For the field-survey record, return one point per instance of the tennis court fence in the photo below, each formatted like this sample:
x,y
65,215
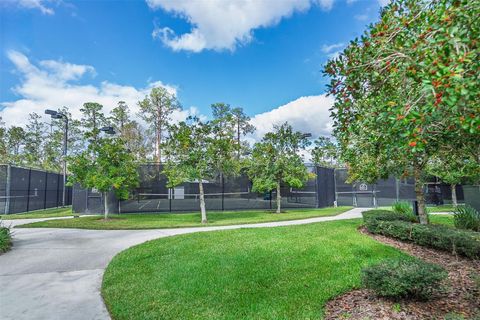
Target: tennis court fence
x,y
221,193
324,187
28,189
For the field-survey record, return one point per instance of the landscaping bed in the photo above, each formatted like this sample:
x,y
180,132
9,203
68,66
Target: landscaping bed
x,y
5,239
460,299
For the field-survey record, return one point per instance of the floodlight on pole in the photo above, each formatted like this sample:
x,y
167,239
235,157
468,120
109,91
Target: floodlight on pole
x,y
306,135
108,130
59,115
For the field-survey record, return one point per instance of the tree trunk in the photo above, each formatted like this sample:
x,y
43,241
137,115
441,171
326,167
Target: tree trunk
x,y
238,139
279,198
454,194
202,201
422,212
105,205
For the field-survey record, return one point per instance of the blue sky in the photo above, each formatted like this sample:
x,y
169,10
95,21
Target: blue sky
x,y
259,55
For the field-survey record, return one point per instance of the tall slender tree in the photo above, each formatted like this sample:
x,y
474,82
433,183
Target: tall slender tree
x,y
15,142
3,142
92,120
34,140
156,110
325,153
129,130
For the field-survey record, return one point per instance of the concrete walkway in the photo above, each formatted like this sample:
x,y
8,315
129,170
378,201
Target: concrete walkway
x,y
57,273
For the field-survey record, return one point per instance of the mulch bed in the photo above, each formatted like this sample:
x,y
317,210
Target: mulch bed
x,y
461,296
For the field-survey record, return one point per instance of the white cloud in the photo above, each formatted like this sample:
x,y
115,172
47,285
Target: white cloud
x,y
332,50
361,17
33,4
224,25
309,114
53,84
383,3
328,48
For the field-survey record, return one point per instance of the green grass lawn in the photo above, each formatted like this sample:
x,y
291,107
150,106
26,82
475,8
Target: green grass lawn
x,y
267,273
446,219
178,220
47,213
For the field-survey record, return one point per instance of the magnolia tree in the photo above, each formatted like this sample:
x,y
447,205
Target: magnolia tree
x,y
198,151
111,169
407,88
275,161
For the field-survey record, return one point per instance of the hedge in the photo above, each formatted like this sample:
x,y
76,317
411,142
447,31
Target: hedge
x,y
413,278
461,242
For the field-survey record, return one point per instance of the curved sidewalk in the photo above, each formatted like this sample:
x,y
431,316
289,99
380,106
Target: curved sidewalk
x,y
57,273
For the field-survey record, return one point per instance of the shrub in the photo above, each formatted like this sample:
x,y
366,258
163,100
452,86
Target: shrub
x,y
412,279
461,242
466,217
386,215
405,208
5,239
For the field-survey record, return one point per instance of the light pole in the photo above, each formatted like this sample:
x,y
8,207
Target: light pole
x,y
59,115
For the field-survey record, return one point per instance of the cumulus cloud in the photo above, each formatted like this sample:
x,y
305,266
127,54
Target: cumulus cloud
x,y
309,114
224,24
53,84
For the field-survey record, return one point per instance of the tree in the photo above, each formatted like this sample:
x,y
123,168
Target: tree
x,y
3,142
325,153
406,89
129,130
92,120
195,153
156,109
112,168
34,140
15,141
235,120
275,161
455,167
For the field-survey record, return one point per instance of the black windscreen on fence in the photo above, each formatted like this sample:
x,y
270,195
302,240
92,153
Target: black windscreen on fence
x,y
324,187
26,189
221,193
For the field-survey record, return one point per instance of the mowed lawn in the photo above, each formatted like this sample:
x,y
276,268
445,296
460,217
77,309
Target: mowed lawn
x,y
47,213
446,219
267,273
178,220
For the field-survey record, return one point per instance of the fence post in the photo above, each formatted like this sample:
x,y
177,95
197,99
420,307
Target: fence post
x,y
317,182
7,190
58,188
223,190
28,188
45,194
397,188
